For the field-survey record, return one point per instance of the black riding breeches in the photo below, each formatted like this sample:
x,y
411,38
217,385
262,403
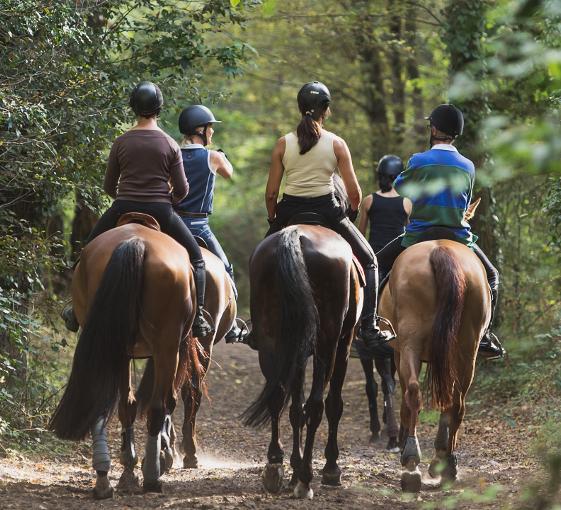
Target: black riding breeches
x,y
329,208
170,223
389,253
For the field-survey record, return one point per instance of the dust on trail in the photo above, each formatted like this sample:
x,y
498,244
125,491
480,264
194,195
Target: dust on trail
x,y
492,451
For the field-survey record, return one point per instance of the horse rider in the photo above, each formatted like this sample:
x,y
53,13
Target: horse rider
x,y
439,182
201,166
387,213
309,157
142,163
385,210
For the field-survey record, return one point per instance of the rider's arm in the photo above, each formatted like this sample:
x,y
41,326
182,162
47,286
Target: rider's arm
x,y
180,186
275,177
112,173
345,164
221,165
408,206
404,184
363,218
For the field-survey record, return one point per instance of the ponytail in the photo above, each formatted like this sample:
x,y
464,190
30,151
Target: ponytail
x,y
386,182
308,131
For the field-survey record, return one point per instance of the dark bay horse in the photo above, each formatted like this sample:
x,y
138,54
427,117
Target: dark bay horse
x,y
439,303
385,366
305,302
220,303
133,295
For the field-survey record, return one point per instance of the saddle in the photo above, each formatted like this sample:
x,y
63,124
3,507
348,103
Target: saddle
x,y
311,218
140,218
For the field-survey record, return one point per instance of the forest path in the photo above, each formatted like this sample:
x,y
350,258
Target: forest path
x,y
492,455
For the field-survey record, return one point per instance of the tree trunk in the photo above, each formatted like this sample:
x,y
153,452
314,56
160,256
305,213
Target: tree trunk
x,y
395,60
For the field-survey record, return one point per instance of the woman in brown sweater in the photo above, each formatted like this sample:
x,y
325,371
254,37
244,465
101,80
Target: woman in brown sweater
x,y
145,174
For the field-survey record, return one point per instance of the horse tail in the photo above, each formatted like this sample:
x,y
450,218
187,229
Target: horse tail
x,y
101,354
450,294
298,328
190,370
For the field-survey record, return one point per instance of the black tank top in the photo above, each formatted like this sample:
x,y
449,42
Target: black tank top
x,y
387,220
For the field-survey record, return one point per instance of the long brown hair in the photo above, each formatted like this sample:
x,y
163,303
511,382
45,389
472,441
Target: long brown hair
x,y
309,130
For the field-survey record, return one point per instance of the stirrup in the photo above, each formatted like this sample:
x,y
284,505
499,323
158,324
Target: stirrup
x,y
491,349
388,323
241,334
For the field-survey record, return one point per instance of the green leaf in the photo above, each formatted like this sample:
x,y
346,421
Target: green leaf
x,y
234,3
269,7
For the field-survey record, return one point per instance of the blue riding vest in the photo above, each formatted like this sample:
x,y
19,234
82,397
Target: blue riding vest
x,y
201,178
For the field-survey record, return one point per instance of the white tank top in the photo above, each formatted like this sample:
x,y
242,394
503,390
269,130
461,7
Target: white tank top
x,y
310,174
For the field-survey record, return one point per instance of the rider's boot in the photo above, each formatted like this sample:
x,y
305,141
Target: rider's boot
x,y
370,333
489,346
69,317
236,334
201,327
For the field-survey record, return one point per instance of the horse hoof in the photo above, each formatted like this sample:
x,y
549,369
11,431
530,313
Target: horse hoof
x,y
102,489
128,482
392,445
332,479
155,486
272,477
190,462
303,491
411,481
375,437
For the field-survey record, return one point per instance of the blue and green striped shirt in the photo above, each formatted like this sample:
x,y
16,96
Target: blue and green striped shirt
x,y
439,182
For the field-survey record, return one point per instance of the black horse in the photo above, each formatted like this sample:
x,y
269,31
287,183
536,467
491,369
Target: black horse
x,y
305,302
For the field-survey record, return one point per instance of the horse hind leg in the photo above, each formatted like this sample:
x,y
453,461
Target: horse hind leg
x,y
331,474
297,422
411,454
128,482
101,460
313,412
273,473
384,367
440,446
192,395
371,392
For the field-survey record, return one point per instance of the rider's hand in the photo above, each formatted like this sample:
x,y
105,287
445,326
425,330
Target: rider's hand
x,y
352,214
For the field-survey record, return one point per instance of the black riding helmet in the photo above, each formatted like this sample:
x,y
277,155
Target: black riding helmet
x,y
448,119
195,116
390,165
146,99
313,98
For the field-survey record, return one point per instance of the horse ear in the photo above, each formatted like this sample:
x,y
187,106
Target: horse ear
x,y
470,213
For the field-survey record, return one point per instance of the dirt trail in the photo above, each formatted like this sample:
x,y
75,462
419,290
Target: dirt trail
x,y
491,453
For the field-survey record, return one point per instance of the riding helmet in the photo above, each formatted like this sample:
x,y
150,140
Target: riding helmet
x,y
313,96
146,99
448,119
390,165
193,117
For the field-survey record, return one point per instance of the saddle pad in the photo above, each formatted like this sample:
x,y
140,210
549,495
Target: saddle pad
x,y
138,217
360,271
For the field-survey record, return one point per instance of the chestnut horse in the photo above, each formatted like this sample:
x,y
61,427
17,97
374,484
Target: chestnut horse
x,y
439,303
134,297
305,302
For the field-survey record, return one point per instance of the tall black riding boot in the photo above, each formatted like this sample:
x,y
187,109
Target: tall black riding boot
x,y
370,333
201,327
489,346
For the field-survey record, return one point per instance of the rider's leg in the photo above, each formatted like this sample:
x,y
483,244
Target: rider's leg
x,y
177,229
107,221
387,255
200,227
490,345
370,332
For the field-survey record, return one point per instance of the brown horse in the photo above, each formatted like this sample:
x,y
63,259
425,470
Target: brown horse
x,y
439,302
305,301
220,303
133,295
